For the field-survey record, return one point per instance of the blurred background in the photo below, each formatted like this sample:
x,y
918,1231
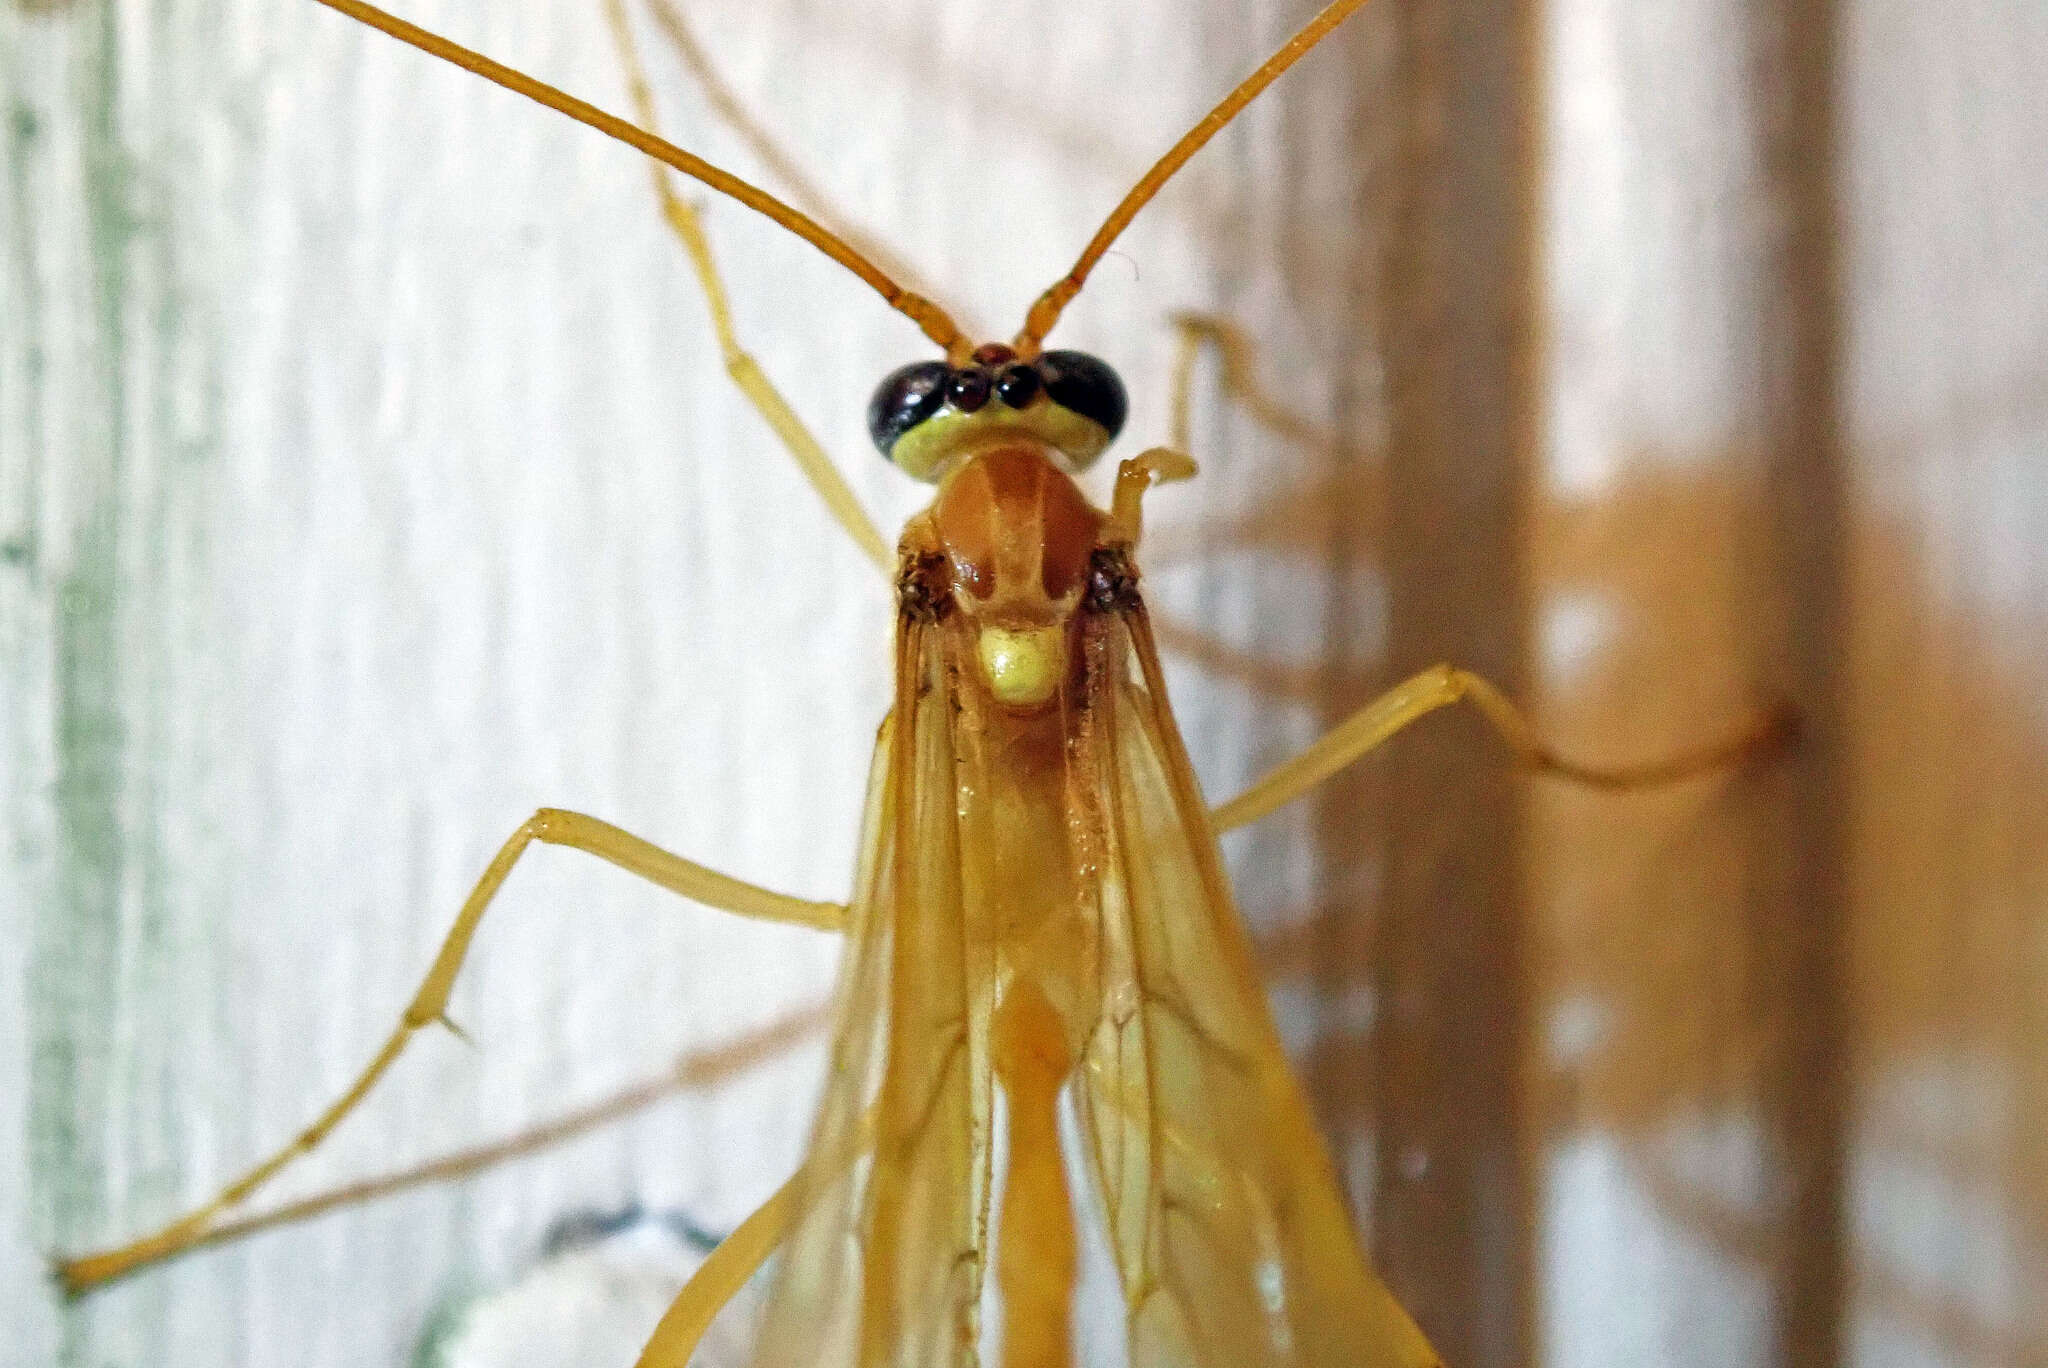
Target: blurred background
x,y
368,478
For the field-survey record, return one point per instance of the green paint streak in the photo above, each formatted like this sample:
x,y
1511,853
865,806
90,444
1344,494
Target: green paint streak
x,y
19,548
104,944
75,952
445,1324
77,937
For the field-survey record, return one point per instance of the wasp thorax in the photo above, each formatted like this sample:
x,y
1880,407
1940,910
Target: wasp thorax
x,y
927,415
1018,540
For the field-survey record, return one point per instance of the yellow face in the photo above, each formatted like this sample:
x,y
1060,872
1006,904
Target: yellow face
x,y
926,451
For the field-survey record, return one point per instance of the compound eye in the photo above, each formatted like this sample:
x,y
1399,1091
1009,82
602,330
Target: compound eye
x,y
909,396
1081,384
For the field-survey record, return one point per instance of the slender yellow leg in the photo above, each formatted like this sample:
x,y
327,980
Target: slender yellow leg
x,y
1133,478
1171,462
1426,692
720,1277
1442,686
1237,376
798,187
430,1004
1180,394
746,373
742,1253
698,1069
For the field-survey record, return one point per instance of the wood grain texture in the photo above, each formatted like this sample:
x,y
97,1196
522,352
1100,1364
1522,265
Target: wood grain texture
x,y
367,480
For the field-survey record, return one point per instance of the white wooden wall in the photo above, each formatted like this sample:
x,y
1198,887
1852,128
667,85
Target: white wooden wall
x,y
367,479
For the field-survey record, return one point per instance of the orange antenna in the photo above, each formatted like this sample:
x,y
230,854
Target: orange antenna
x,y
1046,311
935,322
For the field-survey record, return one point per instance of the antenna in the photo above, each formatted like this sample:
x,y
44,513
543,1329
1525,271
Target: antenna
x,y
929,317
1046,311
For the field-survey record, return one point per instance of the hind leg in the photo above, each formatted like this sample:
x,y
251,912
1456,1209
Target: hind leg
x,y
430,1005
1444,685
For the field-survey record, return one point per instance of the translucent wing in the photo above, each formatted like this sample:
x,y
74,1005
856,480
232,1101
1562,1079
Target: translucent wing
x,y
1065,862
1231,1239
883,1266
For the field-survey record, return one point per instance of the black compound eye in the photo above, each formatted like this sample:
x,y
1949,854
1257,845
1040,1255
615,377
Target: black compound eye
x,y
1081,384
906,398
1017,386
969,388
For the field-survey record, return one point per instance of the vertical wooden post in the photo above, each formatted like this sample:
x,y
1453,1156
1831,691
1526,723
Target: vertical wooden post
x,y
1803,931
1451,1212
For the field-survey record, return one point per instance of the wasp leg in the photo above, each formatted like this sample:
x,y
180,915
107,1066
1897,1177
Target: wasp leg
x,y
797,186
1444,685
697,1069
1134,477
742,1253
430,1004
720,1277
1237,376
1171,462
746,373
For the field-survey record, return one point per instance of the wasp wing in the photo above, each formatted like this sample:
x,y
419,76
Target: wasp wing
x,y
1233,1247
883,1265
1232,1242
